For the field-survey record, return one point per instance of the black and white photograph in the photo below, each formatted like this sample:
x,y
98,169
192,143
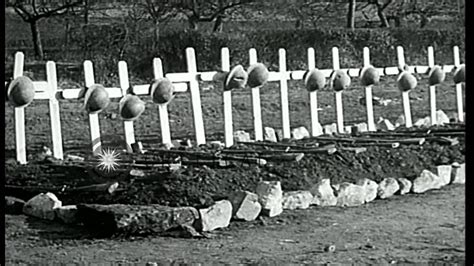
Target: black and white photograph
x,y
235,132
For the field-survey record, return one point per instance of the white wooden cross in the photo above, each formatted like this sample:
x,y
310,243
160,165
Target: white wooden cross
x,y
227,101
432,88
94,126
19,114
127,125
43,90
257,112
405,94
285,112
162,108
313,98
459,101
339,111
368,95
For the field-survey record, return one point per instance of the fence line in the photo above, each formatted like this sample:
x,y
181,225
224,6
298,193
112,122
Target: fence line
x,y
189,81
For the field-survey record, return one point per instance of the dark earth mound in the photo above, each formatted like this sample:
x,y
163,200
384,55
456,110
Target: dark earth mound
x,y
200,185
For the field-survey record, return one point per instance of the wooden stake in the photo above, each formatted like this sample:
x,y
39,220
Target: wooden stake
x,y
432,88
20,114
127,125
195,98
459,100
285,112
162,108
54,111
227,101
405,94
313,99
93,118
339,111
368,95
257,113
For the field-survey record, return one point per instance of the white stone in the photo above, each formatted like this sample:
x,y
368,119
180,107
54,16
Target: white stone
x,y
426,181
318,130
362,127
459,173
269,134
42,206
241,135
300,133
348,129
67,214
441,117
444,172
423,122
323,194
400,121
216,216
349,195
330,129
270,196
371,188
387,188
405,185
245,205
297,200
385,124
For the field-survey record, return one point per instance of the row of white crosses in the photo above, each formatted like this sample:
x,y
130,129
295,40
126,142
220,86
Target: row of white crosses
x,y
190,79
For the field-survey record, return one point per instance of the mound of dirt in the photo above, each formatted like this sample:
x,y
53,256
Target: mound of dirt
x,y
201,185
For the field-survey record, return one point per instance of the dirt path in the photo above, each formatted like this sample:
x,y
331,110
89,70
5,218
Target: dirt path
x,y
404,229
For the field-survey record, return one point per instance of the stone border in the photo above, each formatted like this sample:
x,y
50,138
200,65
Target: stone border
x,y
268,200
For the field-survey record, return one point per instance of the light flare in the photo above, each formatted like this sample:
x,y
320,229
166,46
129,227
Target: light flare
x,y
108,160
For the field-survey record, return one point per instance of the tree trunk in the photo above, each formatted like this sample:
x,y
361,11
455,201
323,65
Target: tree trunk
x,y
218,24
383,18
86,12
36,39
156,32
193,23
351,14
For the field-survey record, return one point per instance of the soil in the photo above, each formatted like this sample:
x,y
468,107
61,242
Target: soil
x,y
408,229
413,228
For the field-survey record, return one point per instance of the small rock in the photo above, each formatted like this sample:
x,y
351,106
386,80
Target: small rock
x,y
300,133
245,205
42,206
362,127
241,135
423,122
323,194
385,125
13,205
387,188
371,188
113,116
183,231
426,181
405,185
441,118
458,173
136,173
279,134
347,129
400,121
216,216
67,214
270,197
269,134
216,144
349,195
330,129
444,172
297,200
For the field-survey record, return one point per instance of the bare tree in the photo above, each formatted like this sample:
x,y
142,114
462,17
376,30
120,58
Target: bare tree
x,y
381,8
159,12
351,14
33,11
208,11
